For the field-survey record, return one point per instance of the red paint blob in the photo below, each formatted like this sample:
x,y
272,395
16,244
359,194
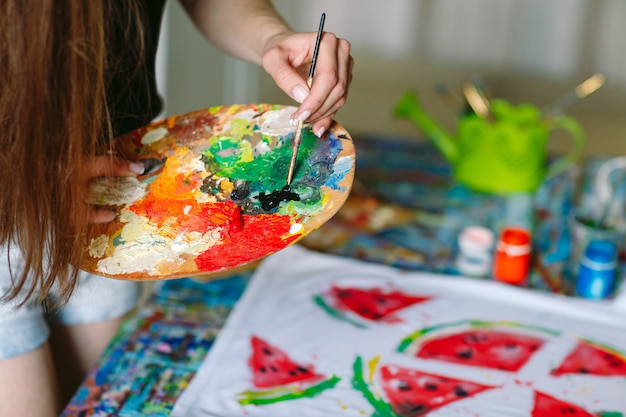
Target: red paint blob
x,y
264,234
414,393
272,367
494,349
591,359
547,406
373,303
236,220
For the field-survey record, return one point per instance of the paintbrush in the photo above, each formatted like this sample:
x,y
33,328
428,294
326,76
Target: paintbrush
x,y
477,101
309,81
447,96
582,90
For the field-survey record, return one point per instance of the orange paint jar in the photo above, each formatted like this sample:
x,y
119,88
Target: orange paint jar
x,y
512,257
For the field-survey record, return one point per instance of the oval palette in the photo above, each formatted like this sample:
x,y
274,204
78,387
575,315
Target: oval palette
x,y
214,196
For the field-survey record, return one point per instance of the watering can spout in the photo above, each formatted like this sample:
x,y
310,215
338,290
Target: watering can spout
x,y
410,108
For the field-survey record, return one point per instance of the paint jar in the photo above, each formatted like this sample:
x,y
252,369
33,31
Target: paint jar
x,y
583,230
596,273
512,258
475,251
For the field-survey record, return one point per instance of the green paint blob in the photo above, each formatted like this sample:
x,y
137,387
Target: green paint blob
x,y
334,313
261,397
383,409
226,151
269,170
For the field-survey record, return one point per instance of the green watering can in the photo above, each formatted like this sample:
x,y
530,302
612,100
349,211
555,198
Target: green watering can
x,y
503,154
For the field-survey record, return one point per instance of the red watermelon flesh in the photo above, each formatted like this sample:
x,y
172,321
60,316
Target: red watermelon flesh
x,y
272,367
547,406
413,393
373,303
489,348
588,358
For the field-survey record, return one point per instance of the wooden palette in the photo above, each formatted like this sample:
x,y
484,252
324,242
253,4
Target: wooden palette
x,y
213,196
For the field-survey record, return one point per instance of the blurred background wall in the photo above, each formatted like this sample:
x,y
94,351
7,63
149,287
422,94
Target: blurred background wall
x,y
524,50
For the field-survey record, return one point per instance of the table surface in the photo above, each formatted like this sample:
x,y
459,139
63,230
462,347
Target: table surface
x,y
405,212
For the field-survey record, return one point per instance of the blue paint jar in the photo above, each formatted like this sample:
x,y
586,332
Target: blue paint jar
x,y
596,273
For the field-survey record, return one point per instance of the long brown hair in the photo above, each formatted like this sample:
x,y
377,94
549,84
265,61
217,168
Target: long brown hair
x,y
54,63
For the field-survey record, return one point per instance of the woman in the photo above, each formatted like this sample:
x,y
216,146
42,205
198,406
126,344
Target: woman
x,y
76,74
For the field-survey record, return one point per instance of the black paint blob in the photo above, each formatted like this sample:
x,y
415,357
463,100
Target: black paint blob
x,y
272,200
241,191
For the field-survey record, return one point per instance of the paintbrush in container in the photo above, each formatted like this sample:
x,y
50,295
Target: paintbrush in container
x,y
298,137
448,96
477,101
581,91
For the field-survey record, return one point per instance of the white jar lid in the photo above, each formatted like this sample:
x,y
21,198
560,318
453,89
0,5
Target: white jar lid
x,y
476,238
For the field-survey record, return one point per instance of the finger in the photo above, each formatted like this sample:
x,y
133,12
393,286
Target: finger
x,y
288,72
349,75
321,126
325,80
337,97
102,215
112,166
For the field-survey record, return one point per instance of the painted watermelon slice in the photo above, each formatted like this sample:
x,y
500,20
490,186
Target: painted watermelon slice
x,y
593,358
372,304
276,377
547,406
410,392
496,345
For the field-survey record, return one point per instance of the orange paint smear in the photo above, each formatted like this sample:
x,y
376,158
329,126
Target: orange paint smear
x,y
184,214
244,238
170,203
179,186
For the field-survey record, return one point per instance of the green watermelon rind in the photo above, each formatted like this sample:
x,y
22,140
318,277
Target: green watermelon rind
x,y
600,346
270,397
383,408
412,338
319,300
610,349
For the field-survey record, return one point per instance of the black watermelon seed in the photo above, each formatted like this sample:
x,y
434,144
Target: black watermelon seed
x,y
411,409
465,354
460,391
419,408
404,386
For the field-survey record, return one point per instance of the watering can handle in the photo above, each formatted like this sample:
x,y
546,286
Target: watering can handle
x,y
575,130
603,185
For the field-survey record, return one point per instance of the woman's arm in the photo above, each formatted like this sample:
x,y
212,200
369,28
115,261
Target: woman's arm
x,y
252,30
241,28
